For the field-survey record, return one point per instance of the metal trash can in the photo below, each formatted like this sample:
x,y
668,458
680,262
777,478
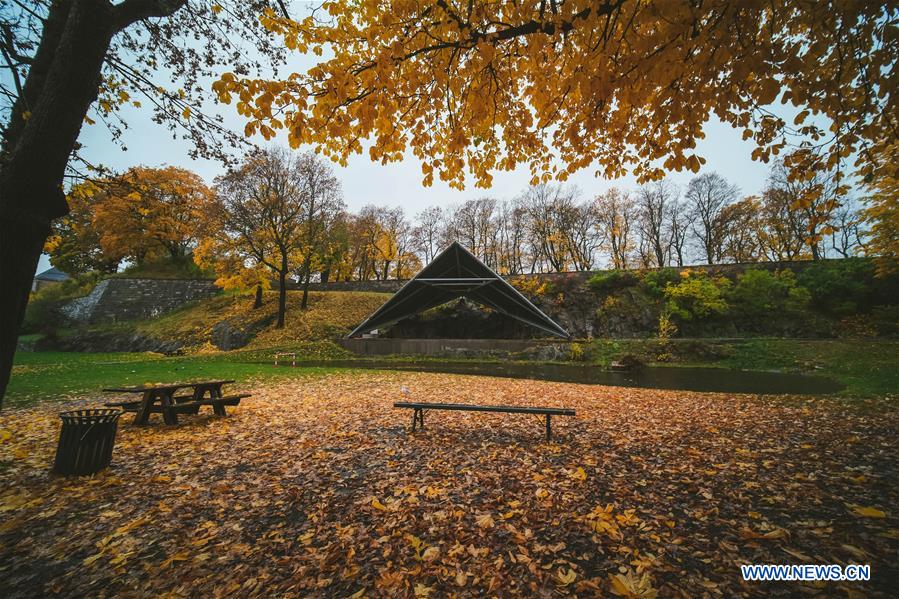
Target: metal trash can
x,y
86,441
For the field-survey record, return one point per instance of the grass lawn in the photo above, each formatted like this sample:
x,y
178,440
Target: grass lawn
x,y
59,376
317,488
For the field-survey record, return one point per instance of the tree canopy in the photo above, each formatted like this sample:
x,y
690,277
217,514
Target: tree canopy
x,y
622,84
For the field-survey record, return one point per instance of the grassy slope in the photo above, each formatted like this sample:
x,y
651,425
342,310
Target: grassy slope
x,y
328,315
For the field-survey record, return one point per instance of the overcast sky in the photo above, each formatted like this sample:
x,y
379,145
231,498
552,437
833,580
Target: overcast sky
x,y
398,184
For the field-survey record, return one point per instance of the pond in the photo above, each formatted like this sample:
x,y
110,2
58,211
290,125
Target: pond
x,y
655,377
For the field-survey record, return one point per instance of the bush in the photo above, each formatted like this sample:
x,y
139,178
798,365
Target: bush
x,y
697,296
43,312
761,294
609,281
655,281
842,287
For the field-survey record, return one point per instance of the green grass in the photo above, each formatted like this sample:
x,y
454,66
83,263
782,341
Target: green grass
x,y
57,376
868,367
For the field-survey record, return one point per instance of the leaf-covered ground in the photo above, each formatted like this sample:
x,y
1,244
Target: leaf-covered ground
x,y
318,488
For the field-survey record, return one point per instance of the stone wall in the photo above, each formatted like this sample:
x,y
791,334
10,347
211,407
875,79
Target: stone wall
x,y
125,299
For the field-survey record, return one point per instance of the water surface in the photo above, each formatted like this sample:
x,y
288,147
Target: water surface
x,y
653,377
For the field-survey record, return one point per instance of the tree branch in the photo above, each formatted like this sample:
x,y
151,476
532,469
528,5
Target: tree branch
x,y
130,11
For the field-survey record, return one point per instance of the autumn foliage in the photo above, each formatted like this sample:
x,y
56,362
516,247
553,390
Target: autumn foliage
x,y
624,85
142,214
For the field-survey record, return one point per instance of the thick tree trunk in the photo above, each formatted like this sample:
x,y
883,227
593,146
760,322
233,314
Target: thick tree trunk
x,y
61,86
257,302
282,298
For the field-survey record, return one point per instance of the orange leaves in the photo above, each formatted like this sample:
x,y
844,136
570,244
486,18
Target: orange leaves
x,y
317,488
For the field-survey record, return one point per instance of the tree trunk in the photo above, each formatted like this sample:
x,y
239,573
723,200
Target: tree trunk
x,y
282,298
307,270
257,302
60,88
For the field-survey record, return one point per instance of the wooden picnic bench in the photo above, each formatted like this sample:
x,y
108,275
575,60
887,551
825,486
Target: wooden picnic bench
x,y
418,415
156,399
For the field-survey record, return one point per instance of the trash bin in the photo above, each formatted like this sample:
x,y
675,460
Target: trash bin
x,y
86,440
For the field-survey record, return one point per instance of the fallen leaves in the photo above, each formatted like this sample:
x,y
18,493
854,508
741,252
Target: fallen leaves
x,y
317,488
867,512
632,586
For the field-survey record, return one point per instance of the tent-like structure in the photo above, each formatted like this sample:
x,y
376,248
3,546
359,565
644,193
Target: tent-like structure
x,y
454,273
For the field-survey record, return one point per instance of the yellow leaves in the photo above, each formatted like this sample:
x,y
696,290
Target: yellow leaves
x,y
378,505
632,586
771,535
541,493
181,556
5,435
186,112
422,591
216,8
867,512
565,578
579,474
14,500
430,554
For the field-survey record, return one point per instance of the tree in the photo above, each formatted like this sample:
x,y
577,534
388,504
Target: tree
x,y
545,203
654,205
322,202
624,84
149,212
708,195
882,213
426,234
74,246
741,236
616,213
255,222
63,56
812,197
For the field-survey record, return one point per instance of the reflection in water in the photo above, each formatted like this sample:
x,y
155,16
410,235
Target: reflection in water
x,y
655,377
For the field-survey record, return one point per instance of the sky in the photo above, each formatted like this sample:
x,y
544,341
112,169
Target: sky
x,y
398,184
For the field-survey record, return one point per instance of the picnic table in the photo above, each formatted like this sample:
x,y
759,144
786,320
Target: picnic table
x,y
164,399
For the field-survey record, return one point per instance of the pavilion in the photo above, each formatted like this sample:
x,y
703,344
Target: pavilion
x,y
453,273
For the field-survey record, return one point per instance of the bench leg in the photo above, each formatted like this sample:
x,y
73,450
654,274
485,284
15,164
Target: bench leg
x,y
549,428
418,417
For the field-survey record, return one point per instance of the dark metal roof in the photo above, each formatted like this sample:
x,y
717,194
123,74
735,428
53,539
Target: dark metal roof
x,y
454,273
52,274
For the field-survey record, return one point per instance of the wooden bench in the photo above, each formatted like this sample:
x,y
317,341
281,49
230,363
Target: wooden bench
x,y
418,416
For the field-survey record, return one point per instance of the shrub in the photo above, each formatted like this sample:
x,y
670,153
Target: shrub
x,y
844,287
577,353
534,287
43,315
759,293
609,281
697,296
655,281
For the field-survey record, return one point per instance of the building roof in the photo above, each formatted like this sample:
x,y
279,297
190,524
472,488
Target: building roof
x,y
454,273
52,274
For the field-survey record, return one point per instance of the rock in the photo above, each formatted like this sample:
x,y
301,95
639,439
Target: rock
x,y
226,336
